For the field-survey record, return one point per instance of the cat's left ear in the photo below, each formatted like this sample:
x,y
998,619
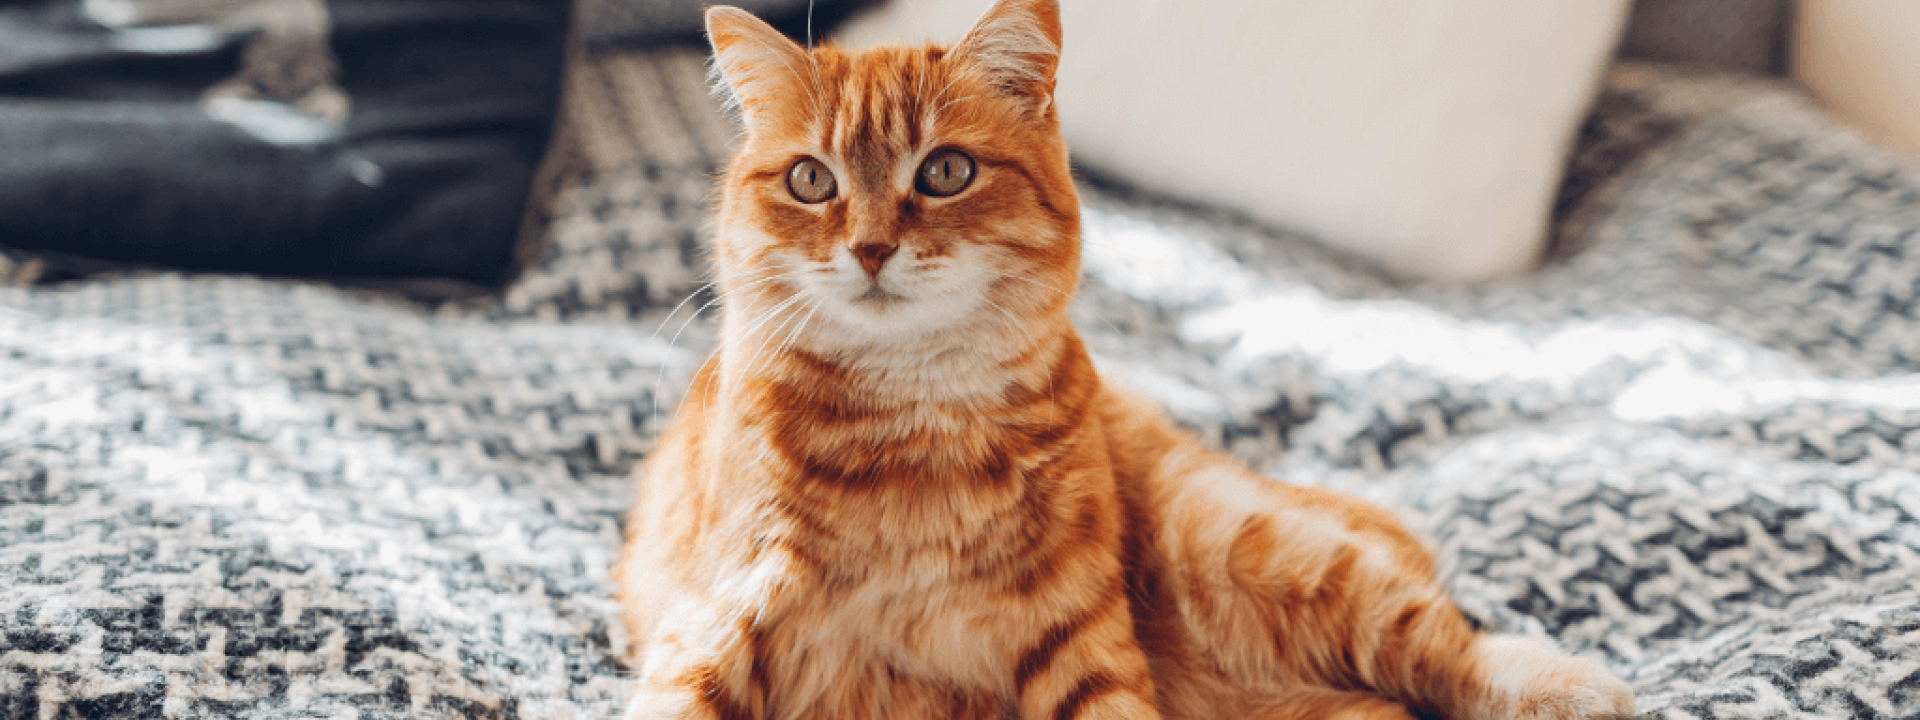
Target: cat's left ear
x,y
1016,45
758,64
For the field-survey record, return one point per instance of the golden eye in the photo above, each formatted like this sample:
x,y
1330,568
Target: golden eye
x,y
811,182
946,173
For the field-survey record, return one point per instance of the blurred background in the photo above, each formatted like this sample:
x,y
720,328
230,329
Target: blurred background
x,y
332,332
399,139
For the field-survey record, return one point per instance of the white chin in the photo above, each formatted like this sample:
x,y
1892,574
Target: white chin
x,y
886,316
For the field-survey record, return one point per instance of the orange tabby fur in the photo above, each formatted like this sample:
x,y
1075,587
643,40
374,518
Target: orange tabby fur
x,y
908,495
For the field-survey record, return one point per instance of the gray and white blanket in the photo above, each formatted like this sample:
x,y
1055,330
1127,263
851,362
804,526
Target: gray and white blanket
x,y
1689,447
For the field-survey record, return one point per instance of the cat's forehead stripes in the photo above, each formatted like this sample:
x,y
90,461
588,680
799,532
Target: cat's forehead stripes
x,y
876,112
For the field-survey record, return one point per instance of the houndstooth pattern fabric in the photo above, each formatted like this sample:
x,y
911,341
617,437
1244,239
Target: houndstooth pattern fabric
x,y
1688,448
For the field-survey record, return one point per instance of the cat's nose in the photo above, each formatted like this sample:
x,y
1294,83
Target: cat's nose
x,y
873,254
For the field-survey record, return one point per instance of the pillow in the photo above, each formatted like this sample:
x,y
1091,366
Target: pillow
x,y
378,138
1860,59
1428,137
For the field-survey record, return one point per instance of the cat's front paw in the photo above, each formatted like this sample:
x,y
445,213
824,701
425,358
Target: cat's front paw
x,y
1529,680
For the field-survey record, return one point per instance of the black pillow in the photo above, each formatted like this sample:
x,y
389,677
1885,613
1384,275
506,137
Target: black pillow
x,y
387,138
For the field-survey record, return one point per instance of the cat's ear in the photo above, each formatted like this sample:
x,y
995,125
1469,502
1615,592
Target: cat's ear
x,y
1016,46
756,65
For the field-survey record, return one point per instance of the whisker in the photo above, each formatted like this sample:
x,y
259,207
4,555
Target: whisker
x,y
683,303
767,316
676,308
1053,401
1096,311
797,330
957,77
1025,279
764,318
813,78
949,86
1017,323
920,87
771,334
812,97
660,377
922,102
943,106
723,296
782,348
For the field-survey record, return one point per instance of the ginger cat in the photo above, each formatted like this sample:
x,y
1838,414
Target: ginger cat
x,y
899,490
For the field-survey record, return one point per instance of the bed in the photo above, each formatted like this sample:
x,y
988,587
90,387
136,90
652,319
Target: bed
x,y
1687,447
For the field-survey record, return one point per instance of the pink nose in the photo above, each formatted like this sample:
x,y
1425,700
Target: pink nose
x,y
872,255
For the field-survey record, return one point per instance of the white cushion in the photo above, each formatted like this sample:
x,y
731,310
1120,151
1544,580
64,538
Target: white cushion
x,y
1428,136
1861,58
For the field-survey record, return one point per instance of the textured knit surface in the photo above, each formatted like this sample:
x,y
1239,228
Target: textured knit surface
x,y
1689,448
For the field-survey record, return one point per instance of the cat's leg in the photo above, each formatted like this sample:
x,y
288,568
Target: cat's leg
x,y
1308,585
1281,586
1524,678
1087,666
1322,704
698,666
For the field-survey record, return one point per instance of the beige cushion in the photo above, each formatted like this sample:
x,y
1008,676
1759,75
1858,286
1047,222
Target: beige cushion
x,y
1861,58
1427,136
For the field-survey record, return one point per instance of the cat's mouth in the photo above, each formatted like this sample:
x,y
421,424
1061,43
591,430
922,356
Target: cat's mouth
x,y
877,297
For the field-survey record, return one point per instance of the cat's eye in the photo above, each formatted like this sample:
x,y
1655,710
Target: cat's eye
x,y
946,173
811,182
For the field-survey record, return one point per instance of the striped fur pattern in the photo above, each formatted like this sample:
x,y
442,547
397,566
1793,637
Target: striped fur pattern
x,y
898,489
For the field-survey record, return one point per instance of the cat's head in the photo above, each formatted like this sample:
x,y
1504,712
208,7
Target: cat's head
x,y
898,192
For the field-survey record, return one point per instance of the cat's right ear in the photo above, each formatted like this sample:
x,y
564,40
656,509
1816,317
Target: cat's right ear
x,y
756,65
